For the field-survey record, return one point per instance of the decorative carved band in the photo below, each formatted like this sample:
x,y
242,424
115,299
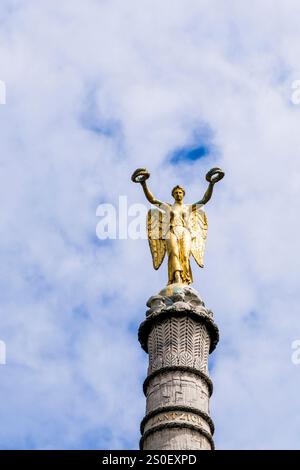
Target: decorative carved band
x,y
162,427
171,313
176,408
178,341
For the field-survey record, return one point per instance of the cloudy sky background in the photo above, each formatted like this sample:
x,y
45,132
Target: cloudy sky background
x,y
96,89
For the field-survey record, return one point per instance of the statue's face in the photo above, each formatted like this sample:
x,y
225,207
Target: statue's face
x,y
178,195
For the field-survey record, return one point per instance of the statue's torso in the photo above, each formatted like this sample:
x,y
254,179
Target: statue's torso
x,y
179,215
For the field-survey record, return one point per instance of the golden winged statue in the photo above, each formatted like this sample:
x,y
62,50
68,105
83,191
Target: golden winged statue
x,y
177,229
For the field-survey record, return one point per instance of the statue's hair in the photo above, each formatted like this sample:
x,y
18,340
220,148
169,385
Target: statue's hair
x,y
178,187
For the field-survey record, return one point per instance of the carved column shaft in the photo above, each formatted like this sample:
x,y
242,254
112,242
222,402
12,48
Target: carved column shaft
x,y
178,335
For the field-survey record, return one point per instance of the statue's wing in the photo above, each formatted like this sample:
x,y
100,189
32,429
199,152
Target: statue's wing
x,y
198,227
156,225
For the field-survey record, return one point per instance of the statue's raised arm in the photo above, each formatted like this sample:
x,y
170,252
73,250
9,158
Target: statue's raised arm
x,y
140,176
212,176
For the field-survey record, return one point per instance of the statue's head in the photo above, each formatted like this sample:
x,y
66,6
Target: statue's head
x,y
178,193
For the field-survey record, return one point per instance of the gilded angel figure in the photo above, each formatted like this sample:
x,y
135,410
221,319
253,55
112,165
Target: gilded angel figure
x,y
177,229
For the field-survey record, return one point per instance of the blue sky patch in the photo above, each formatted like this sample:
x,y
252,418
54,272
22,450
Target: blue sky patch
x,y
192,153
199,145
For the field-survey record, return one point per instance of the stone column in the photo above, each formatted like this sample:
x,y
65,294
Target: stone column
x,y
178,334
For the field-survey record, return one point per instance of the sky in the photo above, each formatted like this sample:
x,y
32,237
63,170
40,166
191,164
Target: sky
x,y
94,90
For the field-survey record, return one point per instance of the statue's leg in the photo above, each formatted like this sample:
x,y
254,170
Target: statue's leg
x,y
174,265
186,244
